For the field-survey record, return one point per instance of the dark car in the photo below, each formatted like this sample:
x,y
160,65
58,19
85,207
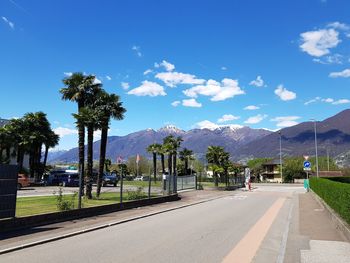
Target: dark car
x,y
54,177
69,179
110,179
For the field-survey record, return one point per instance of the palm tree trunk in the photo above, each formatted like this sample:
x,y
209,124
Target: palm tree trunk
x,y
155,166
81,143
216,179
46,154
186,165
162,161
169,171
89,162
103,147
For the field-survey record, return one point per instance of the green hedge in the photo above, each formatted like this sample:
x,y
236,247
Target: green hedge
x,y
342,179
335,194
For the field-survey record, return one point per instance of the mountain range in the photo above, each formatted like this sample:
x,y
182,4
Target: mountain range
x,y
243,143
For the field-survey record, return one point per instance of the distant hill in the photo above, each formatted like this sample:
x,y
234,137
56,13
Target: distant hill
x,y
198,140
333,135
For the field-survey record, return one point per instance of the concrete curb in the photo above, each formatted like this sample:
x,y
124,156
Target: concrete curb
x,y
51,239
337,221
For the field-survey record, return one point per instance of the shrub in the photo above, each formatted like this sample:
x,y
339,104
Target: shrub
x,y
62,203
340,179
335,194
135,195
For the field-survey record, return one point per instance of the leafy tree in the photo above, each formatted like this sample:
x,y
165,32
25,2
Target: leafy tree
x,y
186,155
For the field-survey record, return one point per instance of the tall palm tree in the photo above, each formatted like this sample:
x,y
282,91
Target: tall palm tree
x,y
51,141
171,145
217,157
153,148
107,106
80,88
185,155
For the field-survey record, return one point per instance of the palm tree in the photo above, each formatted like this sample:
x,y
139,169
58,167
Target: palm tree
x,y
217,157
161,151
80,88
51,141
153,148
185,155
107,106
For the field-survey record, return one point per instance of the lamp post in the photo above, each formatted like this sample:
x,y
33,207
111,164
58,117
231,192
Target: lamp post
x,y
315,130
281,156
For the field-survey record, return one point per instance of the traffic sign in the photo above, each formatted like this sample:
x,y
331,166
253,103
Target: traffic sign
x,y
307,166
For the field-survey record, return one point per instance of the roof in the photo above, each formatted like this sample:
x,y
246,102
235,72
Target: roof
x,y
3,122
273,162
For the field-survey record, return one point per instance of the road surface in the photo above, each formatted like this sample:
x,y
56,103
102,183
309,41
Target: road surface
x,y
243,227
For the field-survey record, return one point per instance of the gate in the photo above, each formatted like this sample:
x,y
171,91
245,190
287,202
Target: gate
x,y
8,190
186,182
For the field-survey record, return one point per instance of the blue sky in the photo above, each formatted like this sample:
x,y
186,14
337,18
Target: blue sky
x,y
263,64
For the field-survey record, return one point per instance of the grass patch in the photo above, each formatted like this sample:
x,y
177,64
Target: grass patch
x,y
142,183
27,206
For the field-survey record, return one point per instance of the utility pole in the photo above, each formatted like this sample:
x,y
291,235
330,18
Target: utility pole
x,y
281,155
315,129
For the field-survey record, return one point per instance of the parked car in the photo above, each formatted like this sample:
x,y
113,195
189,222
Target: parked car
x,y
69,179
111,179
54,177
22,181
141,178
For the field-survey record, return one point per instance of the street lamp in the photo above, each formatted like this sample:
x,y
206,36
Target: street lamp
x,y
281,156
316,146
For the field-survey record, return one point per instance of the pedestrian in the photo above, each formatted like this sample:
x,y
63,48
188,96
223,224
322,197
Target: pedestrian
x,y
250,184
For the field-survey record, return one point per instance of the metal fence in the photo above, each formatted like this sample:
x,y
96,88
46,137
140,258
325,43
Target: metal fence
x,y
186,182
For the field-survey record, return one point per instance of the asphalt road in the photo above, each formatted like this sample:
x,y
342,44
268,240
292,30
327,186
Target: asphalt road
x,y
244,227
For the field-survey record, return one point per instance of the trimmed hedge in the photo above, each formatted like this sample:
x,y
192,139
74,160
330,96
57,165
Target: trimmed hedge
x,y
335,194
342,179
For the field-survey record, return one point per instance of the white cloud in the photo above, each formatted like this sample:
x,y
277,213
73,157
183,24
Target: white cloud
x,y
228,88
97,80
328,100
108,77
338,25
285,94
317,43
251,107
174,78
8,22
148,88
258,82
255,119
125,85
286,121
166,65
212,126
341,101
331,59
228,117
191,103
175,103
312,100
223,68
137,50
342,74
68,74
148,71
62,131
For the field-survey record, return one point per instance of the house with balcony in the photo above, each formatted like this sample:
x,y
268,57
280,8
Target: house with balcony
x,y
271,171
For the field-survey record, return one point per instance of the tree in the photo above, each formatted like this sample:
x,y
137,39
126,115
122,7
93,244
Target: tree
x,y
217,159
107,106
186,155
51,141
153,148
80,88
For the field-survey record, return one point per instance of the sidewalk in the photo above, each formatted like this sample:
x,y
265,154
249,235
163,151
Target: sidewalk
x,y
60,230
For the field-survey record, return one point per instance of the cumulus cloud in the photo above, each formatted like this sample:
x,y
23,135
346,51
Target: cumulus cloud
x,y
255,119
338,25
173,78
212,126
8,22
68,74
108,77
166,65
228,88
191,103
175,103
125,85
227,117
286,121
285,94
258,82
148,88
62,131
97,80
137,50
317,43
342,74
251,107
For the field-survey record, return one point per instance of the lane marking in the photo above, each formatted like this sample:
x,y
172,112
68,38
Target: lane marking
x,y
246,249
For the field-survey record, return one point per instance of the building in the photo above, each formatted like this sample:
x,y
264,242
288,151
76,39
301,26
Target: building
x,y
271,171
